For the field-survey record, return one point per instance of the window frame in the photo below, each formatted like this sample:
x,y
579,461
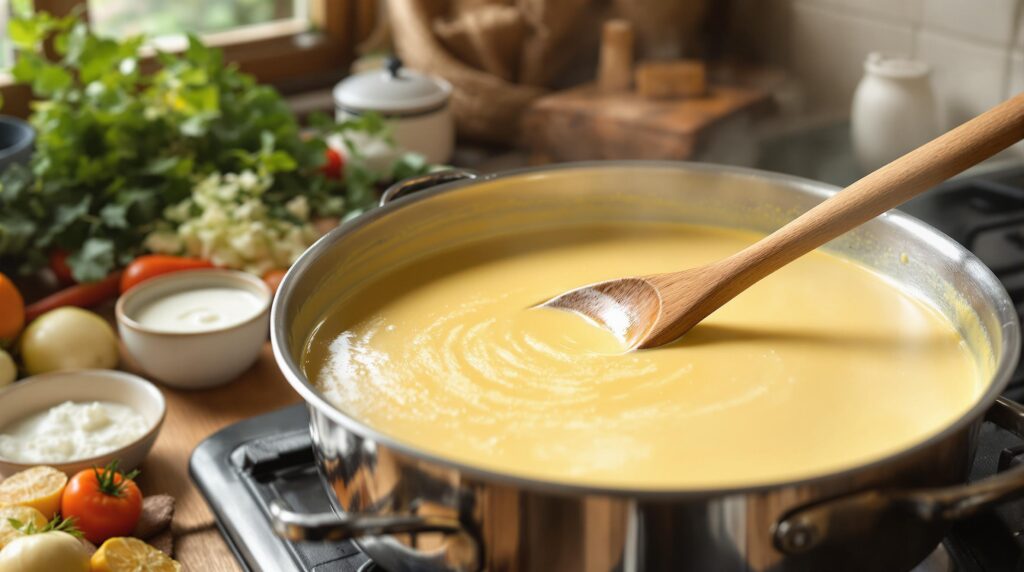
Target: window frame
x,y
288,55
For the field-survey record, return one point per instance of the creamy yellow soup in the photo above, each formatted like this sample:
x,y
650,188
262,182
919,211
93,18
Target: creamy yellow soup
x,y
821,366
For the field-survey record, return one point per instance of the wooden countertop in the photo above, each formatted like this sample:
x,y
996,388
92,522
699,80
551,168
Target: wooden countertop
x,y
191,417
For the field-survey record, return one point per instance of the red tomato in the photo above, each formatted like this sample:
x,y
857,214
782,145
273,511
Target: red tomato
x,y
273,279
104,503
334,164
59,266
152,265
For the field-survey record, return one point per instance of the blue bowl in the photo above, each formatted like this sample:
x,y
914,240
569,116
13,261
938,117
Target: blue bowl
x,y
16,141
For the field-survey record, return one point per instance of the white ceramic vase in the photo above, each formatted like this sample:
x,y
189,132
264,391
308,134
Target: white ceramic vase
x,y
893,110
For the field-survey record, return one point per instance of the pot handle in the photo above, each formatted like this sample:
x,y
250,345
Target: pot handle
x,y
413,184
805,528
297,526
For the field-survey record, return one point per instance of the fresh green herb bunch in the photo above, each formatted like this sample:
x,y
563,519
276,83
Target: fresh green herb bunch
x,y
116,144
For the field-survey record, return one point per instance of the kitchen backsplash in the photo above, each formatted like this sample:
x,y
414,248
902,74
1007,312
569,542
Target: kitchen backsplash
x,y
975,47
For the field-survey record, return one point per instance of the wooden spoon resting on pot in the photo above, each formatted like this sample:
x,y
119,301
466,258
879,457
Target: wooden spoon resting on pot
x,y
653,310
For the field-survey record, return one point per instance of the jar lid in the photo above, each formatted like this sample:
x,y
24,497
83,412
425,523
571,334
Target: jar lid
x,y
394,90
878,63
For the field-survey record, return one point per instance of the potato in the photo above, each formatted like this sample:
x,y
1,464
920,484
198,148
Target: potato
x,y
68,338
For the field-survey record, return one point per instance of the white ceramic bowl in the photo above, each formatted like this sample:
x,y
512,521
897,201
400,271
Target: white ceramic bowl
x,y
41,392
194,360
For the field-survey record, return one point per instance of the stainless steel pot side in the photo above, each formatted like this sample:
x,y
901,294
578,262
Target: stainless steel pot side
x,y
412,510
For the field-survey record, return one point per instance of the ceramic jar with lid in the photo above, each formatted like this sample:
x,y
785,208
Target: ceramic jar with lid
x,y
415,104
893,110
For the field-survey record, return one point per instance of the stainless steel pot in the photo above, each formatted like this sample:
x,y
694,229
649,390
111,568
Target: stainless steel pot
x,y
411,510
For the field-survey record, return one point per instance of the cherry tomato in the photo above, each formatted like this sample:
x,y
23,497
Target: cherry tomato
x,y
273,279
334,164
59,266
104,503
152,265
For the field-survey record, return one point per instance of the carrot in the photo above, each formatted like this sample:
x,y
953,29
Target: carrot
x,y
152,265
82,295
273,279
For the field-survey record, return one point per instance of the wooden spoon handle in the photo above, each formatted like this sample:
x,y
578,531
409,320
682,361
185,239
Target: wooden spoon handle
x,y
888,187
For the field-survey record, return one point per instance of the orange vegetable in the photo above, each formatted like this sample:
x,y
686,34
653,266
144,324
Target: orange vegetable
x,y
152,265
12,310
82,295
104,503
273,279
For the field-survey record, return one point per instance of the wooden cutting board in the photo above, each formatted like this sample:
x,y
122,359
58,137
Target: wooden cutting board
x,y
191,417
194,415
584,123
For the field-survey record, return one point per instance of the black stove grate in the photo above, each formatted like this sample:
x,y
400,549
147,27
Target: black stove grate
x,y
991,541
242,468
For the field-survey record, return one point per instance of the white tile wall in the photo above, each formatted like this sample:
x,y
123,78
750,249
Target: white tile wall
x,y
984,21
1016,72
828,48
1016,84
905,11
968,77
1018,39
975,47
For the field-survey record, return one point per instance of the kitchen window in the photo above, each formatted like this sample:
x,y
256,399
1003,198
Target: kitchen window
x,y
7,7
294,45
160,18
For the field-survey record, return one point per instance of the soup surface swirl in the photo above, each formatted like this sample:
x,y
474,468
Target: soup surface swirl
x,y
821,366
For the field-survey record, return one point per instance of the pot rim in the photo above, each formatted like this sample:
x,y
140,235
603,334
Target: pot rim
x,y
279,332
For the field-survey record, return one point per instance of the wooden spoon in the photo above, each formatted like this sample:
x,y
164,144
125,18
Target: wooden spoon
x,y
649,311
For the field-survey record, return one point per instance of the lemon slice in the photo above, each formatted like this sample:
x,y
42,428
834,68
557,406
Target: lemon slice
x,y
39,488
125,554
23,514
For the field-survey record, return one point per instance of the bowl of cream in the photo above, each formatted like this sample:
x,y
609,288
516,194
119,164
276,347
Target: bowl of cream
x,y
195,329
77,419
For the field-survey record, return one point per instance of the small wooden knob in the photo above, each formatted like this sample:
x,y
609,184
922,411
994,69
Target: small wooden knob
x,y
615,69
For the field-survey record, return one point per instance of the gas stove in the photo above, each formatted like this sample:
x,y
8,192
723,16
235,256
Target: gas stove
x,y
243,467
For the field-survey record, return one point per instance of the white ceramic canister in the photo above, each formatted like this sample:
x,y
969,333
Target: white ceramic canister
x,y
893,110
416,105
